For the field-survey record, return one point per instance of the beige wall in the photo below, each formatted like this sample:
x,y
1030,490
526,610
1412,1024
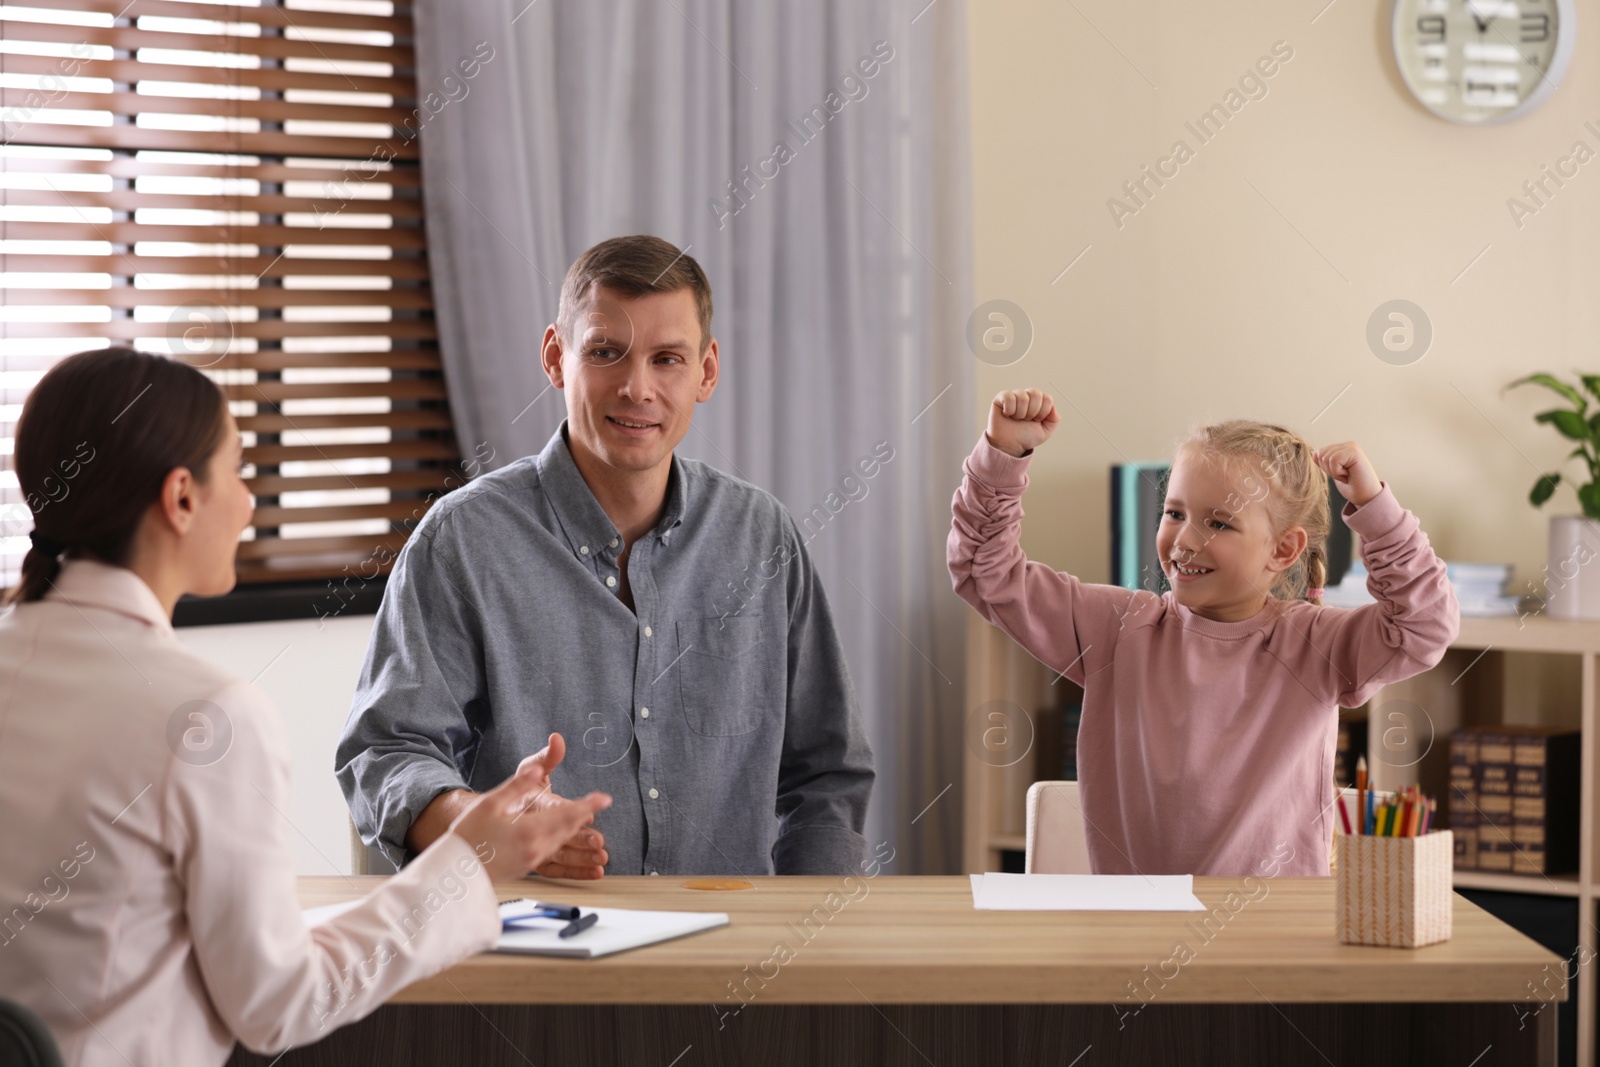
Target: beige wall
x,y
309,668
1207,303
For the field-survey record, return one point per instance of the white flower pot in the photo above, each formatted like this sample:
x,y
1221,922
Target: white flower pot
x,y
1572,570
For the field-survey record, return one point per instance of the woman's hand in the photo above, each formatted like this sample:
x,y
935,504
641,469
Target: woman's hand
x,y
1351,471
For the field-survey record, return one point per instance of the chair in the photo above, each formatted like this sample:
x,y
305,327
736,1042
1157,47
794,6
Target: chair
x,y
24,1040
1057,843
365,858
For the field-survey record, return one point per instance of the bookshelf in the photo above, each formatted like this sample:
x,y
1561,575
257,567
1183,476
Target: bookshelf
x,y
1536,671
1002,757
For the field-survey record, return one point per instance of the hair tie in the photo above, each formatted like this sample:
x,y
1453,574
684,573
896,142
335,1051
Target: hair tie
x,y
1315,594
46,545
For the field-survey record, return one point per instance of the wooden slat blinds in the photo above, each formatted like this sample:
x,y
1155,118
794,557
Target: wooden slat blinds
x,y
234,184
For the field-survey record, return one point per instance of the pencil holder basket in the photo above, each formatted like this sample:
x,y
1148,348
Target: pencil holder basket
x,y
1394,891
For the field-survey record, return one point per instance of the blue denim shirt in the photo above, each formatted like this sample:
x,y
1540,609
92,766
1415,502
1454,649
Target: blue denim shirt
x,y
718,713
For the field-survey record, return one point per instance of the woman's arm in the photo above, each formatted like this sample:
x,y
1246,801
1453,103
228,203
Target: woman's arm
x,y
275,982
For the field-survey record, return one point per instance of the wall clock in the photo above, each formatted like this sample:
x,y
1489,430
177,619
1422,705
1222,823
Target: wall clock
x,y
1483,61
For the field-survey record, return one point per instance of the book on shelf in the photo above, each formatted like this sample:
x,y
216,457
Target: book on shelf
x,y
1489,576
1351,745
1071,715
1138,499
1461,804
1514,795
1493,775
1054,748
1480,589
1545,772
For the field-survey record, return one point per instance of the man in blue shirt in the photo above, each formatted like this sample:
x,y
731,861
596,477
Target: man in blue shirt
x,y
663,616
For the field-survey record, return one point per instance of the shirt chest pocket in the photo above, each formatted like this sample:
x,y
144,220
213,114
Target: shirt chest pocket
x,y
725,682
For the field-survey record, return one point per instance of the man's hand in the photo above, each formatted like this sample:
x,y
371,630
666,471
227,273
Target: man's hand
x,y
1021,420
583,855
1351,471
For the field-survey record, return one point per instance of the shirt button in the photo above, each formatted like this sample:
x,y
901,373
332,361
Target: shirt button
x,y
610,581
644,713
648,632
655,872
613,543
583,550
654,795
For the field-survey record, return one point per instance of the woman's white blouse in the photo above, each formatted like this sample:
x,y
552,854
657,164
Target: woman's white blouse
x,y
147,891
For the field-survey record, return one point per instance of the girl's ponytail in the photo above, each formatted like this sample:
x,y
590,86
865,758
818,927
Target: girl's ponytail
x,y
39,568
1316,572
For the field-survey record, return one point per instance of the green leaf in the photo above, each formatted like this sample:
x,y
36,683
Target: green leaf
x,y
1543,488
1559,386
1591,382
1584,453
1569,423
1589,497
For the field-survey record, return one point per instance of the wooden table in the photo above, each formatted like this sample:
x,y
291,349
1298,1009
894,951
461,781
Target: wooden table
x,y
903,970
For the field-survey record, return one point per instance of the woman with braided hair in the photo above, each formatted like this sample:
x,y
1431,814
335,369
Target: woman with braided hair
x,y
143,855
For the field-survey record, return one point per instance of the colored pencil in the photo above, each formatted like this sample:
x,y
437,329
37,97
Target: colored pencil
x,y
1361,793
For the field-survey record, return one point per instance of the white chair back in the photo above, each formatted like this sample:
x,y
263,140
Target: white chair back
x,y
1057,843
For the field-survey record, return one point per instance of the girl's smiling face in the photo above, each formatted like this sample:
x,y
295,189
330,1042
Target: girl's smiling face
x,y
1216,542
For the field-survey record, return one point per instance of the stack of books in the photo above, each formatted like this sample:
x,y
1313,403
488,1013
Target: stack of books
x,y
1513,800
1480,589
1352,592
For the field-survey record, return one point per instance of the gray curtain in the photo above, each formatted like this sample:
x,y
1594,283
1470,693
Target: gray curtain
x,y
840,265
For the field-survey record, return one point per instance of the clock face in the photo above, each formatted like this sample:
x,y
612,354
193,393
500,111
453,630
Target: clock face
x,y
1482,61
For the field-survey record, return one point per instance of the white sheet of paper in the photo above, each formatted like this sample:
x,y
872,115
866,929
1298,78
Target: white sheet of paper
x,y
619,929
1084,892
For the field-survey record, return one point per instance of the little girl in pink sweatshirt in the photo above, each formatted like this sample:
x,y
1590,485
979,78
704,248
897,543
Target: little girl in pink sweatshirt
x,y
1210,712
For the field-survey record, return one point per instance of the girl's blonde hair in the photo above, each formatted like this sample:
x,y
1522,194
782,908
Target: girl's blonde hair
x,y
1273,465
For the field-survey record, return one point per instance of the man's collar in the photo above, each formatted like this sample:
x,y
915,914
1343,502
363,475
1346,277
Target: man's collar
x,y
86,583
588,528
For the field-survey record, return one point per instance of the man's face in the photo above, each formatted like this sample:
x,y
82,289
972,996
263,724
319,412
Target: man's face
x,y
632,372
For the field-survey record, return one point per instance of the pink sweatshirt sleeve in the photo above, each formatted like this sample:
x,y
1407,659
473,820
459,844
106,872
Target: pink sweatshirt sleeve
x,y
1066,624
1411,625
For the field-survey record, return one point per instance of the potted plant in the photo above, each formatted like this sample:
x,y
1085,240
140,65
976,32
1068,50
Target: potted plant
x,y
1572,575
